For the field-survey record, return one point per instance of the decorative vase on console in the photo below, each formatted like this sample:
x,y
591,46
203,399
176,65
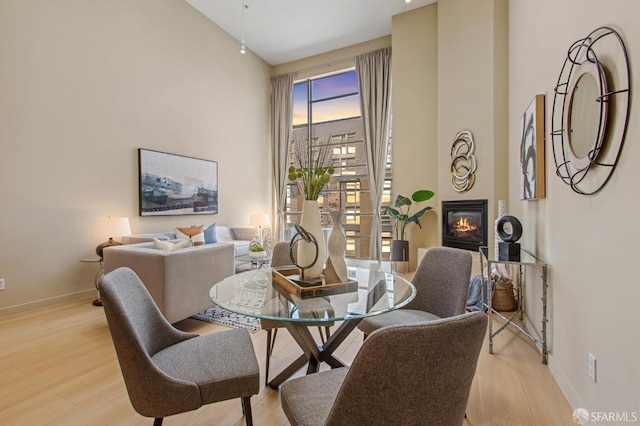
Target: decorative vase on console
x,y
336,270
306,252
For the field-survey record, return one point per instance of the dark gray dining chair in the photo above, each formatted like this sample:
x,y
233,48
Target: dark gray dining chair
x,y
167,371
280,256
403,374
442,286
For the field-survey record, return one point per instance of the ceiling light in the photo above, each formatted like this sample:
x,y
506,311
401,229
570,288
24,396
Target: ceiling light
x,y
407,1
243,49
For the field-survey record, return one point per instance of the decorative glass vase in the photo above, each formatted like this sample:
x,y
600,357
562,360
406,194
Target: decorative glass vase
x,y
336,249
312,223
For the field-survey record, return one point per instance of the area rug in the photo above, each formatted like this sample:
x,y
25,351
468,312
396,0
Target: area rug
x,y
222,316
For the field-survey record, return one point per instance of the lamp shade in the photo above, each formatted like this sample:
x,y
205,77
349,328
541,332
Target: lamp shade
x,y
110,227
259,220
107,228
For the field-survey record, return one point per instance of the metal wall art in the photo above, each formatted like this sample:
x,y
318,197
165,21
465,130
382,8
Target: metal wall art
x,y
463,162
591,108
532,150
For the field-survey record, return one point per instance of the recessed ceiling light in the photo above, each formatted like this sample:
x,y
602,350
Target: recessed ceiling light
x,y
407,1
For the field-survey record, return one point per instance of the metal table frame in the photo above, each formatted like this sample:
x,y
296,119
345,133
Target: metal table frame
x,y
527,259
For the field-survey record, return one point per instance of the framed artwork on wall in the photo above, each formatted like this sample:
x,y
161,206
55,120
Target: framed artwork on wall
x,y
532,151
173,184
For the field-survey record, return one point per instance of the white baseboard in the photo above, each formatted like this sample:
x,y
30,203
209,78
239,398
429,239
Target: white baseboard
x,y
10,310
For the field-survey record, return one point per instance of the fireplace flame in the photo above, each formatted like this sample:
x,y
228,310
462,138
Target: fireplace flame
x,y
463,226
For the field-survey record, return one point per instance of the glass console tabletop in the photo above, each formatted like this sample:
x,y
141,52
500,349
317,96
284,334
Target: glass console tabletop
x,y
255,294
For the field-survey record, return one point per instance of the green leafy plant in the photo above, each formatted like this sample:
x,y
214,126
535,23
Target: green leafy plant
x,y
399,212
314,168
256,247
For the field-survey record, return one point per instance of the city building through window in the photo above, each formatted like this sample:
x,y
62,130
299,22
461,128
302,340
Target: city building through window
x,y
326,114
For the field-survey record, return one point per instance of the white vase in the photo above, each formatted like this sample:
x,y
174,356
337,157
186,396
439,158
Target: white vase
x,y
312,223
336,246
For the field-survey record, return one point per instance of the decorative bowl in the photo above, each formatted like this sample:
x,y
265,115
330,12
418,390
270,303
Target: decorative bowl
x,y
257,254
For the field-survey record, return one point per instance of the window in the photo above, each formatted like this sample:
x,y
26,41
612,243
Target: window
x,y
333,103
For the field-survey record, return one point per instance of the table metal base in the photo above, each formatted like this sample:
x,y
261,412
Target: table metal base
x,y
313,354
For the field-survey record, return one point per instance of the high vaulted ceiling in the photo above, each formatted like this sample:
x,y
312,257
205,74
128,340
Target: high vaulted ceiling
x,y
281,31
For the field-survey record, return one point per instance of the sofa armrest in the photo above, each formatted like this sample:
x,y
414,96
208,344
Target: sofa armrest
x,y
179,281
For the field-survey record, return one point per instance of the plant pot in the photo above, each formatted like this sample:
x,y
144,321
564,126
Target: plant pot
x,y
399,250
257,254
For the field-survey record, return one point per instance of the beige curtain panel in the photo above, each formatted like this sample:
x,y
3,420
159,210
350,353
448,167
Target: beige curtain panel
x,y
374,81
281,116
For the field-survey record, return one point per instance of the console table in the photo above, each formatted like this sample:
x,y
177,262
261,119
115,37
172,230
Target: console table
x,y
488,258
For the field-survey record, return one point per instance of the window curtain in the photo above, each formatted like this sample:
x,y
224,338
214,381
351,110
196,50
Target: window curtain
x,y
281,111
374,82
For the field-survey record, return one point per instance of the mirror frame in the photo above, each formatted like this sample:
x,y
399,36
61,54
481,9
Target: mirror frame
x,y
600,48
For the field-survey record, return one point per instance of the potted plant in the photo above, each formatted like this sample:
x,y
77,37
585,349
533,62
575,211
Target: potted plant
x,y
400,218
257,251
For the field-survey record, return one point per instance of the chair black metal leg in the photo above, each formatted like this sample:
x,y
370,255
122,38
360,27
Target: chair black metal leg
x,y
158,421
273,340
269,349
327,333
246,410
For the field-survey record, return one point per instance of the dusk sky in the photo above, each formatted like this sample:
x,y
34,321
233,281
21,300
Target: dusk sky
x,y
325,88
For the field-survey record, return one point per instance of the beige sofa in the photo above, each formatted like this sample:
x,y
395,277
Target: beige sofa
x,y
240,237
179,281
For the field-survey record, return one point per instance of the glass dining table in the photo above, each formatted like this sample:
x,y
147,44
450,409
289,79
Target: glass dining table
x,y
256,294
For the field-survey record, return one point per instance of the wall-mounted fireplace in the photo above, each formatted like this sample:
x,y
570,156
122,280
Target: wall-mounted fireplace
x,y
464,224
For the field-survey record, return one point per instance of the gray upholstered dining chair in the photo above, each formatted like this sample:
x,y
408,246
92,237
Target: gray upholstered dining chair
x,y
403,374
442,286
167,371
280,257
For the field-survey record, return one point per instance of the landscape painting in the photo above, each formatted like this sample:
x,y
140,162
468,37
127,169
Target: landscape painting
x,y
173,184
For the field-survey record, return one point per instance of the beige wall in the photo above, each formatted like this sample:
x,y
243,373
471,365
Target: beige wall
x,y
472,95
590,242
415,114
83,85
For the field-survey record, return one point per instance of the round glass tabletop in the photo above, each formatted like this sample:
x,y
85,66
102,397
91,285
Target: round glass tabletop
x,y
255,293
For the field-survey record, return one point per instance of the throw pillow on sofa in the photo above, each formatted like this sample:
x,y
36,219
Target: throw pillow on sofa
x,y
194,233
169,246
210,236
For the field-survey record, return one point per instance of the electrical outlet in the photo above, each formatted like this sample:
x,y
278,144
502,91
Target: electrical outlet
x,y
1,283
592,367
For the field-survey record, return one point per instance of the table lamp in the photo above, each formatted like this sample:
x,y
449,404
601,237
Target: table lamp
x,y
259,220
109,227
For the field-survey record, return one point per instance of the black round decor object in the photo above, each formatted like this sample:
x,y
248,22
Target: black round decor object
x,y
516,229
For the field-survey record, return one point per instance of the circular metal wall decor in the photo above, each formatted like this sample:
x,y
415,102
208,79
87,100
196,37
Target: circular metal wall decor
x,y
591,108
463,162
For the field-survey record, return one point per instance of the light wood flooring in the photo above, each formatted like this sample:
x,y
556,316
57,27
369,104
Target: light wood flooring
x,y
58,367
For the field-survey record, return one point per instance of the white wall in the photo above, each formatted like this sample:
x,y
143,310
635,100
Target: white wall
x,y
591,243
83,84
